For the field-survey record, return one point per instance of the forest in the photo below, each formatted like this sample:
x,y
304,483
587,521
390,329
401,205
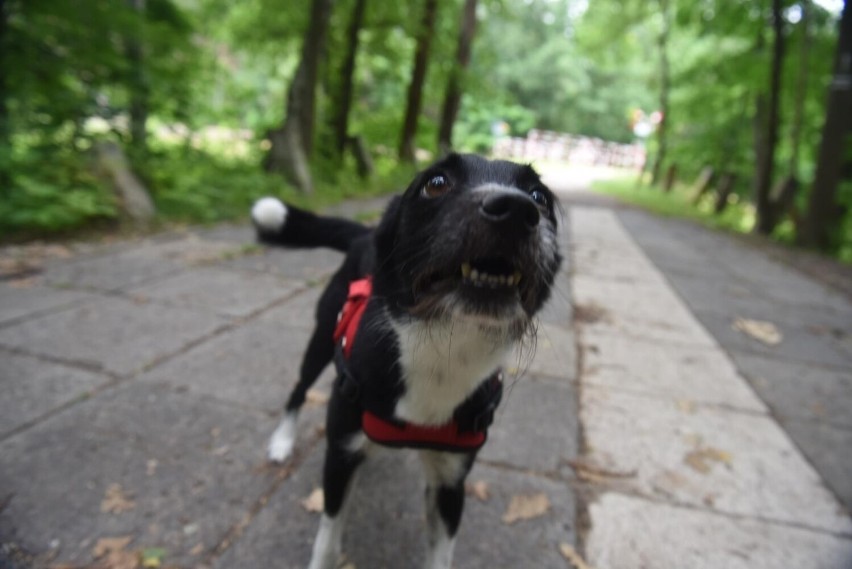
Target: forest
x,y
187,110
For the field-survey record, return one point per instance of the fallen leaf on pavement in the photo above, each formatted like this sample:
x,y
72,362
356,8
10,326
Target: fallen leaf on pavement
x,y
760,330
526,507
701,460
113,553
315,502
151,467
569,553
477,489
116,501
197,550
686,405
316,397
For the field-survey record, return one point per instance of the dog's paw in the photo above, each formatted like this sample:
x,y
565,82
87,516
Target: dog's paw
x,y
269,214
281,443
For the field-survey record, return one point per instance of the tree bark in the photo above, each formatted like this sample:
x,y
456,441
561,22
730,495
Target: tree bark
x,y
665,86
343,105
825,213
766,219
5,127
418,77
801,90
723,192
702,184
138,82
453,95
671,177
292,143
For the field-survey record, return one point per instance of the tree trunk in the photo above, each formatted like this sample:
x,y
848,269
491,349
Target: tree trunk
x,y
801,90
5,127
825,213
138,82
292,143
418,77
665,84
671,177
723,192
765,210
702,184
347,75
452,98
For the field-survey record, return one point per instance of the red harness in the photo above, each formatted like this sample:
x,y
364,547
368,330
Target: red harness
x,y
479,408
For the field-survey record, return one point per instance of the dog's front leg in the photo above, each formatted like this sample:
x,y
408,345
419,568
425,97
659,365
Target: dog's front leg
x,y
445,476
345,451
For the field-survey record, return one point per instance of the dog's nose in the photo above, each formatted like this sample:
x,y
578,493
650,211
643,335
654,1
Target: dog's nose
x,y
512,211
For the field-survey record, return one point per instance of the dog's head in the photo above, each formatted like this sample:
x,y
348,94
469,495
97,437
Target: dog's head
x,y
470,238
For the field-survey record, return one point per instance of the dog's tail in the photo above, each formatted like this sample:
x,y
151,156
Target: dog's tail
x,y
278,223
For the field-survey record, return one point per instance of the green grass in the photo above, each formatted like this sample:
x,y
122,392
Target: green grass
x,y
739,216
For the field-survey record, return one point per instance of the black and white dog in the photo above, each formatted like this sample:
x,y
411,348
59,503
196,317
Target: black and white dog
x,y
444,289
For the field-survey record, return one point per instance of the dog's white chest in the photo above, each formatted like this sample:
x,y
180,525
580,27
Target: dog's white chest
x,y
442,363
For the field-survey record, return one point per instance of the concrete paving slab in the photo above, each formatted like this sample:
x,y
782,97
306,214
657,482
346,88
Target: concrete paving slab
x,y
19,303
187,471
659,315
688,374
298,311
113,334
797,391
552,353
110,272
798,344
386,521
825,445
730,462
530,425
631,533
33,388
306,264
254,365
223,292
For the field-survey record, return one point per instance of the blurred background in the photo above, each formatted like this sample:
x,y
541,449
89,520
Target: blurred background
x,y
121,113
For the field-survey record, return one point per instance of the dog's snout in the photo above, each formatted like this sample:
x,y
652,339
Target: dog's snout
x,y
513,211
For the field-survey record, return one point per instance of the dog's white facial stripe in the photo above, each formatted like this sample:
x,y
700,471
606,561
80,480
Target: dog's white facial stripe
x,y
443,362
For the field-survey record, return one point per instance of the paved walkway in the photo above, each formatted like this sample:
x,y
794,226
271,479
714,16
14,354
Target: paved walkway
x,y
141,381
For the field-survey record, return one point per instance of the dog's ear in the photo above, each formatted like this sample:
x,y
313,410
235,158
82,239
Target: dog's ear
x,y
387,231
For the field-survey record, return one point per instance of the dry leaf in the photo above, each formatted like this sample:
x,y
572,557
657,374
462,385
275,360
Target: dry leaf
x,y
316,397
151,467
197,550
701,460
315,502
113,555
686,405
26,282
115,501
526,507
478,489
569,553
760,330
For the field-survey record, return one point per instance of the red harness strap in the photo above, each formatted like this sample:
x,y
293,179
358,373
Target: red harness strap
x,y
353,310
394,432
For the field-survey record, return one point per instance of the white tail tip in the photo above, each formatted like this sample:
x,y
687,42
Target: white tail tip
x,y
269,214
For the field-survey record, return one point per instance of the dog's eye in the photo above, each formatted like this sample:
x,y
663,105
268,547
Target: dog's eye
x,y
436,186
540,198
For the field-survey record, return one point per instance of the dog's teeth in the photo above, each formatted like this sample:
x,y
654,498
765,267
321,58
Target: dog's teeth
x,y
465,268
510,280
474,275
502,280
517,277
